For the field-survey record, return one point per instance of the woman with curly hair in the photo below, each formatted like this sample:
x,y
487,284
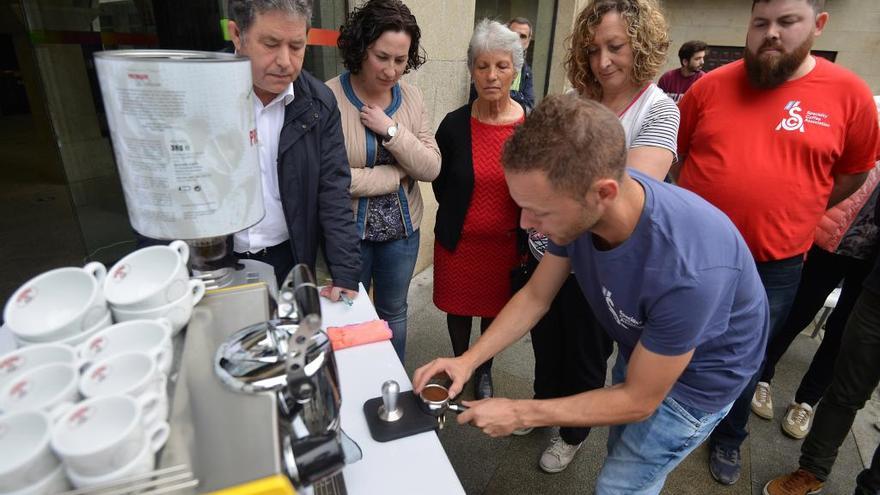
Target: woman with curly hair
x,y
616,49
390,148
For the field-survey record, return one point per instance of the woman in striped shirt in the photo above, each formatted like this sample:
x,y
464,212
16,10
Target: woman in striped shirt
x,y
616,49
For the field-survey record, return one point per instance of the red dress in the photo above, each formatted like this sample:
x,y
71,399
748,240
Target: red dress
x,y
474,280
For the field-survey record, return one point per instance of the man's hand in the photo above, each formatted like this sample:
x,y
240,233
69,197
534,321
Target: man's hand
x,y
496,417
374,119
459,370
335,293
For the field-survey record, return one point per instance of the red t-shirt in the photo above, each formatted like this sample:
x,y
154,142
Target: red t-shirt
x,y
676,85
767,158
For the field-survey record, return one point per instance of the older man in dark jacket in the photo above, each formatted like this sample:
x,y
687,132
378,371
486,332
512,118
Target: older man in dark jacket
x,y
304,167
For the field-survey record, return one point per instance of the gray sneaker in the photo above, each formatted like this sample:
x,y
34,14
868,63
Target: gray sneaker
x,y
762,401
797,420
558,455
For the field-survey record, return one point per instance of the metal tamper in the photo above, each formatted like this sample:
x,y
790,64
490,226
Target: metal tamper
x,y
389,410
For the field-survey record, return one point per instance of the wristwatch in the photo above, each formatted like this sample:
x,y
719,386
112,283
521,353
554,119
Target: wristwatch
x,y
391,132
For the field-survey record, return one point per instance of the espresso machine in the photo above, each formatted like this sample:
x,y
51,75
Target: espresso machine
x,y
291,357
256,397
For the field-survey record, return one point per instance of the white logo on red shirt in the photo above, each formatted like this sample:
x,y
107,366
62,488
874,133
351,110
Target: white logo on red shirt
x,y
797,118
794,121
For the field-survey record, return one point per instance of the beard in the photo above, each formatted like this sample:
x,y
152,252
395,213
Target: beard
x,y
771,71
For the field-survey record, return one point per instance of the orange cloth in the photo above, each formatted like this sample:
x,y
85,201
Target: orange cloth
x,y
358,334
767,158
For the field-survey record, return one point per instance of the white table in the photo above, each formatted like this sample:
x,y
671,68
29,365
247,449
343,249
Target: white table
x,y
400,466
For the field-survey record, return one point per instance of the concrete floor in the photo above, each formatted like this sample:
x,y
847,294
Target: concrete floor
x,y
510,465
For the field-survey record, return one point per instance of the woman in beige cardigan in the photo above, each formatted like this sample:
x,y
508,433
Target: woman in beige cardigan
x,y
390,148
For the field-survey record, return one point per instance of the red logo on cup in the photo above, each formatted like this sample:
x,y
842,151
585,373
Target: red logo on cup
x,y
97,345
100,373
120,273
11,364
19,390
79,417
26,297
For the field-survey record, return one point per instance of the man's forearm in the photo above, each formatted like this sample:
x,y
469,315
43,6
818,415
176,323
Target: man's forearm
x,y
599,407
517,317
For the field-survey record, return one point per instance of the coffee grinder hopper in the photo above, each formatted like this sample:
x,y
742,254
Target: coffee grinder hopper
x,y
291,357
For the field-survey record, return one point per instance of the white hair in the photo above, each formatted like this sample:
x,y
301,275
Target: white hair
x,y
492,36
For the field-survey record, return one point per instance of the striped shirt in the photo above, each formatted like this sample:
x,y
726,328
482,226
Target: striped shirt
x,y
659,129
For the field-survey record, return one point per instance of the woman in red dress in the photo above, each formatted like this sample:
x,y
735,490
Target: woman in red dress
x,y
477,221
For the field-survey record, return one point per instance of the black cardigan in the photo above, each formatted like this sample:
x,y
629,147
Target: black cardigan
x,y
454,187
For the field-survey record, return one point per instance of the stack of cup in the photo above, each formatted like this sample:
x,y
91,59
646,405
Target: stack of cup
x,y
153,283
65,305
108,439
28,358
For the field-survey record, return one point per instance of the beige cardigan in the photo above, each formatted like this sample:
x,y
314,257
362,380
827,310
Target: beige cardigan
x,y
413,147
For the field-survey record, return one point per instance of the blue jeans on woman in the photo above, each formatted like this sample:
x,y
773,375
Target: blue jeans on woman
x,y
389,266
641,455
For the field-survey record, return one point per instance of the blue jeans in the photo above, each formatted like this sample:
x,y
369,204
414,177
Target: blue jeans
x,y
781,279
390,266
641,455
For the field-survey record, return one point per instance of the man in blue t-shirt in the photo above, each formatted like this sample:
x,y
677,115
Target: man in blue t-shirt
x,y
667,274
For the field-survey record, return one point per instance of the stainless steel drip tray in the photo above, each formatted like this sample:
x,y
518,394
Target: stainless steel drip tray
x,y
227,438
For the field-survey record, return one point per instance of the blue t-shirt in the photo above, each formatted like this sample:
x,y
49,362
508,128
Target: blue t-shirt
x,y
684,280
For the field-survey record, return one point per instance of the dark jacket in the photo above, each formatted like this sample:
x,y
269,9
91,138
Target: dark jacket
x,y
454,187
314,181
526,94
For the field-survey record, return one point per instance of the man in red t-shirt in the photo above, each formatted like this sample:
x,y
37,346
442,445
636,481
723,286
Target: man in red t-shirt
x,y
676,82
773,141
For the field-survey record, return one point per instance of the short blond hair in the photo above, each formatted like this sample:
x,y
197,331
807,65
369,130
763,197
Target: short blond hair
x,y
648,37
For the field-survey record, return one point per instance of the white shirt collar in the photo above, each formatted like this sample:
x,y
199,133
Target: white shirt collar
x,y
285,96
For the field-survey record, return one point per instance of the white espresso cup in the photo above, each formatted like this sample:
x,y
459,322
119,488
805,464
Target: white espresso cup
x,y
152,337
77,338
57,304
25,456
25,359
103,434
134,374
148,278
143,463
177,312
51,388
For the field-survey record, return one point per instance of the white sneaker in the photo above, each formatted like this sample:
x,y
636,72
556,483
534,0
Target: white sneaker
x,y
558,455
797,421
521,432
762,401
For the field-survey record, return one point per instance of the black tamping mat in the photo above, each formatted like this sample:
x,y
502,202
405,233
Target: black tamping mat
x,y
413,421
